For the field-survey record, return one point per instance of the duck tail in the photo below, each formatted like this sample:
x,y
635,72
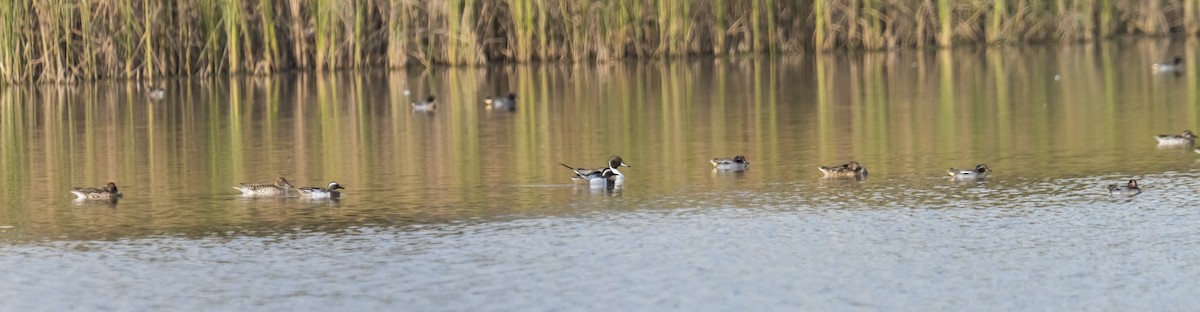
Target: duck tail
x,y
568,167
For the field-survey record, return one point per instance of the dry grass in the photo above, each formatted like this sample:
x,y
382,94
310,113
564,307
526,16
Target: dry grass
x,y
63,40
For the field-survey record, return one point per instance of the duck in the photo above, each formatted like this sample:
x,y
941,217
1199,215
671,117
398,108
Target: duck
x,y
590,176
426,105
508,103
851,169
327,192
281,187
156,93
1187,138
737,163
1175,66
1129,189
981,171
107,192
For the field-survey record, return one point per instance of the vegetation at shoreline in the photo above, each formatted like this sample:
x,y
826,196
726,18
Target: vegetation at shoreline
x,y
67,40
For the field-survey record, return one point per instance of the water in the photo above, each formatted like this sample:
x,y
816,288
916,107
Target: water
x,y
468,209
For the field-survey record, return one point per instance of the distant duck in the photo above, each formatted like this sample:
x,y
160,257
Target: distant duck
x,y
506,103
156,93
327,192
981,171
281,187
107,192
849,170
1175,66
1187,138
1129,189
737,163
602,175
426,105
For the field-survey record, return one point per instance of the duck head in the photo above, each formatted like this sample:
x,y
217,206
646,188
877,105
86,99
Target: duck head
x,y
616,161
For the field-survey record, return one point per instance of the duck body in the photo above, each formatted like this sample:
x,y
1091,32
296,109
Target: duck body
x,y
597,177
427,105
737,163
327,192
1186,139
508,103
603,175
980,172
281,187
156,93
1175,66
1128,189
851,169
107,192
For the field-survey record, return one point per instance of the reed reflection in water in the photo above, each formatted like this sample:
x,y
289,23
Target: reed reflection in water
x,y
906,116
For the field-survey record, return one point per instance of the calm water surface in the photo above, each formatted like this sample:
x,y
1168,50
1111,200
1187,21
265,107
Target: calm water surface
x,y
467,209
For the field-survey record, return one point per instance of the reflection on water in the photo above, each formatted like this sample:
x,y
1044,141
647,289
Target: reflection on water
x,y
1055,124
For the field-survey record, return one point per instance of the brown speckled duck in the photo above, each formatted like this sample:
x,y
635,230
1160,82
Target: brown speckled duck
x,y
851,169
281,187
107,192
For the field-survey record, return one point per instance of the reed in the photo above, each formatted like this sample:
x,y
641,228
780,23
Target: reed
x,y
63,40
945,27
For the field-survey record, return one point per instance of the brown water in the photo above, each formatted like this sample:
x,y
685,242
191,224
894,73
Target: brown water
x,y
456,200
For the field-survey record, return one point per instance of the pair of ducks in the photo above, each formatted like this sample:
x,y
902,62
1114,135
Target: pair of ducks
x,y
612,175
853,169
508,103
281,187
1187,139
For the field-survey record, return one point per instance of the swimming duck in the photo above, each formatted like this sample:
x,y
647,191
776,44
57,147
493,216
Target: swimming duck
x,y
1187,138
156,93
583,176
426,105
506,103
981,171
327,192
1129,189
737,163
281,187
107,192
850,169
1175,66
